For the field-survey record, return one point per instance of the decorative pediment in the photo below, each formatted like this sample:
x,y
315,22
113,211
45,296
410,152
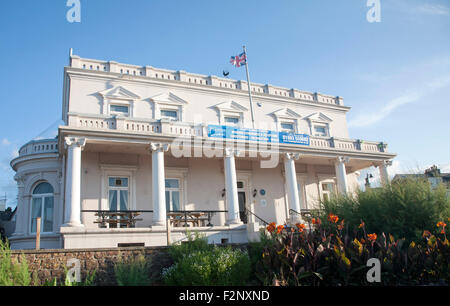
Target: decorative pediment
x,y
319,117
168,98
119,92
286,113
230,106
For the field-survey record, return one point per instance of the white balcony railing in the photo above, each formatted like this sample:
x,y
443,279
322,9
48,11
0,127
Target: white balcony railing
x,y
199,130
39,147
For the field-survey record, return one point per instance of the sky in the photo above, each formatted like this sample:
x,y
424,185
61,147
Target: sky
x,y
395,73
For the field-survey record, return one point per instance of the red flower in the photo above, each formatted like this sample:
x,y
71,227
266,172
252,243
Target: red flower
x,y
271,227
426,234
333,218
300,227
441,224
372,237
316,221
279,228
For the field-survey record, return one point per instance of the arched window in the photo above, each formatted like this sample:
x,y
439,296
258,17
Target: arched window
x,y
42,206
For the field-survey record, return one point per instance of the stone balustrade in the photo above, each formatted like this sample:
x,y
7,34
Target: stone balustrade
x,y
39,147
200,130
198,79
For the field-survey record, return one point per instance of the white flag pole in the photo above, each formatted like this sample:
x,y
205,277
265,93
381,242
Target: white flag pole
x,y
249,88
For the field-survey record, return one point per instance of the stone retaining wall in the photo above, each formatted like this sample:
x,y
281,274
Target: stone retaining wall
x,y
50,264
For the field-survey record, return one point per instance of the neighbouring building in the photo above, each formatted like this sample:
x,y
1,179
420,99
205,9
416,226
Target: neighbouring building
x,y
141,144
433,175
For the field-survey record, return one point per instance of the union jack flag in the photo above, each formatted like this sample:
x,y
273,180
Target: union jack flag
x,y
239,60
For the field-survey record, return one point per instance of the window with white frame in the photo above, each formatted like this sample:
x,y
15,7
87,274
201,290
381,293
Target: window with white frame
x,y
118,193
287,127
328,189
119,109
169,114
173,194
320,130
231,120
42,205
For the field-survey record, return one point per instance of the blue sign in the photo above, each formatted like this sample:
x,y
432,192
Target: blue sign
x,y
231,132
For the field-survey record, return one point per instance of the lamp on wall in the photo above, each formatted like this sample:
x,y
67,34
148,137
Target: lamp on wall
x,y
223,192
255,192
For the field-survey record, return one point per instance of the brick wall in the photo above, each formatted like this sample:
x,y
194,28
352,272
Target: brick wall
x,y
50,264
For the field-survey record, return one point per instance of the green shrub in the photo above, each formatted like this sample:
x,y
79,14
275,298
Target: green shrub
x,y
12,273
197,263
195,242
133,272
218,266
404,208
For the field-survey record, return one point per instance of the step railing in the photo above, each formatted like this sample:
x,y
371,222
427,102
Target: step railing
x,y
257,217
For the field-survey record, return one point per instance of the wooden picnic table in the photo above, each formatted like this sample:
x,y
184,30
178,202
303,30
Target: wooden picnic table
x,y
114,218
196,218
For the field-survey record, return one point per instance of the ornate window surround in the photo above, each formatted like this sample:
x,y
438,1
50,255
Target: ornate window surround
x,y
168,101
286,115
118,95
319,119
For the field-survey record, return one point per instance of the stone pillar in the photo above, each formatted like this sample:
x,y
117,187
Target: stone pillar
x,y
21,219
384,175
73,182
158,184
292,187
341,174
231,191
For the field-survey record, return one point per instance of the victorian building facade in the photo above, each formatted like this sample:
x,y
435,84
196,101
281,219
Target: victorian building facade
x,y
164,144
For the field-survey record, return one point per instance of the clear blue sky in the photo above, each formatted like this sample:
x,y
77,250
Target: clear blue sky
x,y
395,74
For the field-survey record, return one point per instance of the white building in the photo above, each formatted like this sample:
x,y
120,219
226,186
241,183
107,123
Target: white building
x,y
140,139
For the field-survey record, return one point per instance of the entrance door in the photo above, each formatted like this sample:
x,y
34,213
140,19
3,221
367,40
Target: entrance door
x,y
242,197
242,207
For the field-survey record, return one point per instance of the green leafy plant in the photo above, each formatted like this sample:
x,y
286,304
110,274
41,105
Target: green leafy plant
x,y
404,208
13,273
133,272
331,255
195,242
200,264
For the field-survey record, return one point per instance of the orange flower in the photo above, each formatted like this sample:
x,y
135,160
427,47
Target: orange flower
x,y
316,221
300,227
441,224
279,228
333,218
271,227
372,237
426,234
362,224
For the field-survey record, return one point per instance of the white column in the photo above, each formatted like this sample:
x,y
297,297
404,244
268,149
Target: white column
x,y
73,182
292,187
341,174
384,175
231,191
21,219
158,184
